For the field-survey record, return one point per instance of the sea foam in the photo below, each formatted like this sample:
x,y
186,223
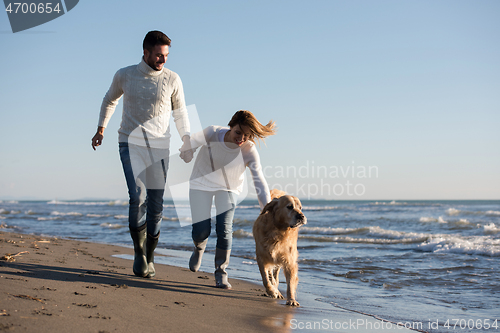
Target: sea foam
x,y
56,213
112,225
491,229
478,245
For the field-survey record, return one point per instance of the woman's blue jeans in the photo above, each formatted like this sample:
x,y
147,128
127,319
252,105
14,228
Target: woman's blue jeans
x,y
145,172
201,206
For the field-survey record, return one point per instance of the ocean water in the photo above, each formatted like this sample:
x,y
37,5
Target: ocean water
x,y
431,262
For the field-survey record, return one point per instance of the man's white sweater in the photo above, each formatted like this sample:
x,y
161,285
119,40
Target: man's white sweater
x,y
150,98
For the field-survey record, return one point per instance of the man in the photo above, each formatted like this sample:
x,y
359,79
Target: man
x,y
152,93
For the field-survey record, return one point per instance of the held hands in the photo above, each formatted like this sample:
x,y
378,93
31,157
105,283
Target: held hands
x,y
97,139
186,152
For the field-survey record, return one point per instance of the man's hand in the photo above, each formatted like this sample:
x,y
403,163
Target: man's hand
x,y
97,139
186,151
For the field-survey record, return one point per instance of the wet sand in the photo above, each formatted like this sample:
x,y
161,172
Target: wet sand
x,y
57,285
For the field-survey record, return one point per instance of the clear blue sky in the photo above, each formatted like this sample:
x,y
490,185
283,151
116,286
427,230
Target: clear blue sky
x,y
409,88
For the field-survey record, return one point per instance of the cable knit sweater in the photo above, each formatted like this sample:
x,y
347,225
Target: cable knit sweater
x,y
228,170
150,98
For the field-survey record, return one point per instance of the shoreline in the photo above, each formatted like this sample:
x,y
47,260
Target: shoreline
x,y
78,286
89,287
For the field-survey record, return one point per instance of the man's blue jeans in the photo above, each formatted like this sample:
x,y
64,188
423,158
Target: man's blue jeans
x,y
145,172
201,206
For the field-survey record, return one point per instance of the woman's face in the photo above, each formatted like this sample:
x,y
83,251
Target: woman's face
x,y
238,135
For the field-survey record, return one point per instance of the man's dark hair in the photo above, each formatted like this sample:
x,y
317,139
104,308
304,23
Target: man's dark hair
x,y
154,38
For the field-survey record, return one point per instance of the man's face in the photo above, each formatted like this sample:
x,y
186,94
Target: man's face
x,y
157,57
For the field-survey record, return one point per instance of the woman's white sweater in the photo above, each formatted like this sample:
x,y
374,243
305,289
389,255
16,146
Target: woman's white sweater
x,y
218,167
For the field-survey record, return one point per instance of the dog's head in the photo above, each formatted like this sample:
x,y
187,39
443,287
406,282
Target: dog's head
x,y
275,193
286,212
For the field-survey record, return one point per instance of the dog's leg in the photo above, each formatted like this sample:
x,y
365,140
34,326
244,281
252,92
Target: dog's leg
x,y
274,273
266,273
276,276
273,281
292,280
265,276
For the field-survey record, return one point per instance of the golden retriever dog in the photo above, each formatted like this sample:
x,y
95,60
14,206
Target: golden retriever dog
x,y
275,232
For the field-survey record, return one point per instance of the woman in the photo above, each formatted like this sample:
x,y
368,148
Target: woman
x,y
218,173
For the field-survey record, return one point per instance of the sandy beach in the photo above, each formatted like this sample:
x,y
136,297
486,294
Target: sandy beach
x,y
55,285
59,285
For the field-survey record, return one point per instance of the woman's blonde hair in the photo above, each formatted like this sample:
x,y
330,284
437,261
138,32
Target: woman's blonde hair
x,y
246,118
